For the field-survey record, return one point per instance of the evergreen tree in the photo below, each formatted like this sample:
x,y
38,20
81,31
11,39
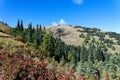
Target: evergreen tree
x,y
62,61
35,40
29,33
30,26
37,27
59,31
46,45
82,54
18,25
69,56
78,50
21,25
41,27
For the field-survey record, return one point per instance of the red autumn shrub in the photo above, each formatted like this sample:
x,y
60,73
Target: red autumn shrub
x,y
17,67
81,78
106,77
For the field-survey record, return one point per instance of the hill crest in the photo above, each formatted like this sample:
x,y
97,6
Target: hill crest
x,y
77,35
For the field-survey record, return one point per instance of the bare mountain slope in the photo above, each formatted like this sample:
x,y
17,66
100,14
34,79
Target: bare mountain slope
x,y
71,36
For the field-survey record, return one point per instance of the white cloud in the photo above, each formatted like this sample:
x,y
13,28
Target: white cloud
x,y
54,24
78,1
62,22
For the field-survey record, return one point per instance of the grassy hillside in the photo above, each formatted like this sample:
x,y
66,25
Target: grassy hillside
x,y
59,53
77,35
4,27
10,44
20,60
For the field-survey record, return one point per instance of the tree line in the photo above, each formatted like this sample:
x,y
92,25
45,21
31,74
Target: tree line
x,y
55,48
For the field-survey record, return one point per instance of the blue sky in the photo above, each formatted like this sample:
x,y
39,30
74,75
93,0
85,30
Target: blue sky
x,y
103,14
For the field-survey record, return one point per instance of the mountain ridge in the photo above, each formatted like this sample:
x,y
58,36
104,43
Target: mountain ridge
x,y
76,35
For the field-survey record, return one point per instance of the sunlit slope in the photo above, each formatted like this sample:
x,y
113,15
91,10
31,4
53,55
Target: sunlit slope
x,y
72,35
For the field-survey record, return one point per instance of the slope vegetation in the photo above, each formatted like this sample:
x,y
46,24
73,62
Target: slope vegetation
x,y
37,53
4,27
11,45
77,35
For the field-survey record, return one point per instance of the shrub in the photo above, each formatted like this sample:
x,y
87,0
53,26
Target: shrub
x,y
113,48
19,38
82,36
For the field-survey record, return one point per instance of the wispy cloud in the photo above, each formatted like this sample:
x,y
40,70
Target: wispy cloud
x,y
61,22
78,2
54,24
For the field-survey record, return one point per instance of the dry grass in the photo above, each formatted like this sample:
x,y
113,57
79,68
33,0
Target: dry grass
x,y
11,45
73,37
4,35
4,27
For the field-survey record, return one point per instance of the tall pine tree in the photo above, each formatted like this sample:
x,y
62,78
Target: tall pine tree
x,y
18,25
21,25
